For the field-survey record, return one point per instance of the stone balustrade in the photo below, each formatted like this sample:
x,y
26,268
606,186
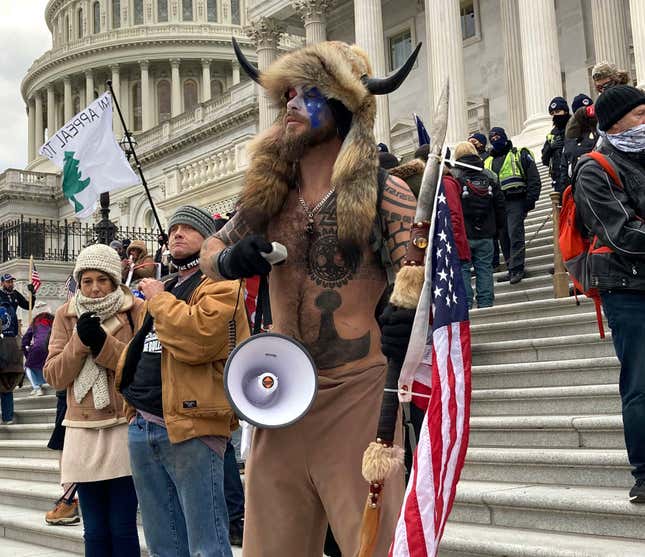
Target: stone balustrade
x,y
478,115
209,169
32,184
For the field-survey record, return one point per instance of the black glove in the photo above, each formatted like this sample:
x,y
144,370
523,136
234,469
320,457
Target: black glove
x,y
244,259
90,332
396,328
31,289
528,205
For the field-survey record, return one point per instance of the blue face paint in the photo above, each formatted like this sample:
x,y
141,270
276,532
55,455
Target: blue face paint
x,y
317,107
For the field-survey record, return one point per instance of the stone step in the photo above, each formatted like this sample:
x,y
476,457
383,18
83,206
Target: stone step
x,y
26,431
33,495
543,349
564,509
35,416
533,281
15,548
552,307
591,432
479,540
26,448
519,293
34,402
581,467
557,373
546,401
25,390
536,327
36,469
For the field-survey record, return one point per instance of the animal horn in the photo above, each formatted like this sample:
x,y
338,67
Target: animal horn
x,y
386,85
249,68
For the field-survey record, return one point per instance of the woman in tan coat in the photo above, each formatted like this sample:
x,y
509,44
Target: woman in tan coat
x,y
90,332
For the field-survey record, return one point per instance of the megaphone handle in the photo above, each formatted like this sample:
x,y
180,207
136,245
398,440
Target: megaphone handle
x,y
262,306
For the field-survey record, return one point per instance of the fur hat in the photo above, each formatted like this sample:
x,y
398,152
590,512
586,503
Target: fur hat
x,y
342,73
463,149
138,244
98,257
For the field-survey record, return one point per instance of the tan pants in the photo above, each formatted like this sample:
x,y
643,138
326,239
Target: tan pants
x,y
303,476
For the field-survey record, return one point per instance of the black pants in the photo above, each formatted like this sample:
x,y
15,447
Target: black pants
x,y
512,238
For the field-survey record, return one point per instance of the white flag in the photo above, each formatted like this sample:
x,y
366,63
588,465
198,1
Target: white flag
x,y
90,158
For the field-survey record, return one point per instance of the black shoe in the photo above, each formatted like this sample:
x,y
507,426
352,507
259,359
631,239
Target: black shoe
x,y
517,277
236,532
637,493
504,278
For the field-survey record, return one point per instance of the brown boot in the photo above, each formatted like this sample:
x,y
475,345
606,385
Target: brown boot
x,y
63,513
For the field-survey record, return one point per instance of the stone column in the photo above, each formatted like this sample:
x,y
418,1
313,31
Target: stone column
x,y
610,31
368,25
637,14
39,128
206,80
146,113
51,110
68,107
541,65
116,87
89,88
513,76
314,16
31,128
265,33
235,68
175,91
446,53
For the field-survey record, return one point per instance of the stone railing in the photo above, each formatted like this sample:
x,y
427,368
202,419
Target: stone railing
x,y
238,98
23,182
478,115
211,168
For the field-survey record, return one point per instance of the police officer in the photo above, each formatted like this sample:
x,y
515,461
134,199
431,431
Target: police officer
x,y
520,184
552,149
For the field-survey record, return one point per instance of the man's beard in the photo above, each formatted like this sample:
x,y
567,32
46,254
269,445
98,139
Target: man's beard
x,y
294,145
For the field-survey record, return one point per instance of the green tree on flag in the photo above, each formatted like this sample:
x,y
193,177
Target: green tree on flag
x,y
72,182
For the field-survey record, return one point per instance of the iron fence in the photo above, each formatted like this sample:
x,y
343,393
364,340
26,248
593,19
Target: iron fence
x,y
49,240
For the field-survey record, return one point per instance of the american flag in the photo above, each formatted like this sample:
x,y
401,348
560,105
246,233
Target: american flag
x,y
35,278
444,372
70,287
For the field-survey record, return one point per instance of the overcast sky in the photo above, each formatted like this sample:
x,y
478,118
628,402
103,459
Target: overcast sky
x,y
24,36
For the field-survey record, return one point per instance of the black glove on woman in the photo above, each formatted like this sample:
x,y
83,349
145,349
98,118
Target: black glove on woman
x,y
244,259
90,332
396,328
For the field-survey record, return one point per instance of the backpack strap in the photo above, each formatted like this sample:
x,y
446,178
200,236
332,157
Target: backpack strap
x,y
607,166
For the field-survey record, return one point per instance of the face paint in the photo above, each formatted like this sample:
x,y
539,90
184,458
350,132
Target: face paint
x,y
309,104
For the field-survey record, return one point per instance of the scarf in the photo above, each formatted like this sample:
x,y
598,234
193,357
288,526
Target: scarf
x,y
186,263
92,375
629,141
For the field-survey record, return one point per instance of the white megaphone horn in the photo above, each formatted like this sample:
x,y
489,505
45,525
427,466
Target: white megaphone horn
x,y
270,380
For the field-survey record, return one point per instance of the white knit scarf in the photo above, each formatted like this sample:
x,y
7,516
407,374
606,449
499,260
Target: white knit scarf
x,y
92,375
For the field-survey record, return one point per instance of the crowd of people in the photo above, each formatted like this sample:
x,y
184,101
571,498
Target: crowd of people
x,y
137,354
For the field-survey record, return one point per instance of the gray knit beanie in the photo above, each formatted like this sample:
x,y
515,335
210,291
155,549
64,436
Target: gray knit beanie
x,y
193,216
98,257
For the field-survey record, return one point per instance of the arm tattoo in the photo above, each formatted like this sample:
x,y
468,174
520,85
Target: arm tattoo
x,y
234,230
397,209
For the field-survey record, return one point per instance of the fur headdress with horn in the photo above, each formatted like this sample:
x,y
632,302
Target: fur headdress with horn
x,y
341,72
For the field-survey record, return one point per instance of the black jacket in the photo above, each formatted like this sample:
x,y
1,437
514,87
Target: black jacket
x,y
484,212
532,177
9,303
579,139
551,155
614,215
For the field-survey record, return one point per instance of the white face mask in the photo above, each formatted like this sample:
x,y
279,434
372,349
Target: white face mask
x,y
630,141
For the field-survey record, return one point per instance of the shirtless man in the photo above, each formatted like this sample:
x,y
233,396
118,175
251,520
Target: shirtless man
x,y
312,185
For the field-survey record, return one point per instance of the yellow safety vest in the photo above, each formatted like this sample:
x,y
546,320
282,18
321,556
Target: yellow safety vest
x,y
511,175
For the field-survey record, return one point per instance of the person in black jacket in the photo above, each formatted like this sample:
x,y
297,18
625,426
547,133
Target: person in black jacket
x,y
613,215
580,136
482,203
520,183
552,149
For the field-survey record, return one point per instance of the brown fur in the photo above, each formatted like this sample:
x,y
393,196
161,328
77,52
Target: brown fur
x,y
410,168
335,68
407,287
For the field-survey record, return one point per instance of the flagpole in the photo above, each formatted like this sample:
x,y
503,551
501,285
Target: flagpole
x,y
136,159
31,295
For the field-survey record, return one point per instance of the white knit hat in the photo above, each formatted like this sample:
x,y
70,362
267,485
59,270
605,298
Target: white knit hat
x,y
98,257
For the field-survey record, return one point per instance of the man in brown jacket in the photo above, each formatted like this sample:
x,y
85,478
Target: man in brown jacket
x,y
171,377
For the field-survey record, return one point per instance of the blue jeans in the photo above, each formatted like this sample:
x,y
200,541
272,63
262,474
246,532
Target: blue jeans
x,y
233,489
35,376
181,493
109,510
481,251
624,311
6,402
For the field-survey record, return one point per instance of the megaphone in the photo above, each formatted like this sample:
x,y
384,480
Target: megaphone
x,y
270,380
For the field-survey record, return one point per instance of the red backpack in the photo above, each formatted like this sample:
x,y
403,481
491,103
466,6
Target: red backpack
x,y
576,247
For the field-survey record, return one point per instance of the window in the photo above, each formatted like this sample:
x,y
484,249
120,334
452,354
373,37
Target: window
x,y
162,10
190,95
163,100
216,88
469,27
187,10
80,23
211,10
96,17
235,12
76,104
67,33
138,12
116,14
137,120
400,48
